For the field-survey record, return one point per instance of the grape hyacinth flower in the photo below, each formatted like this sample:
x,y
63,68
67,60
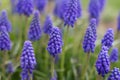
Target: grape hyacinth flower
x,y
94,10
88,42
24,75
79,9
108,38
34,32
68,10
114,55
5,43
10,68
118,28
93,26
27,60
48,25
102,4
71,12
25,7
103,62
40,4
4,21
59,6
55,42
3,29
115,74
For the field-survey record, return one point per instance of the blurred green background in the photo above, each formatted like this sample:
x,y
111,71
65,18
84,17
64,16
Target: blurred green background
x,y
74,58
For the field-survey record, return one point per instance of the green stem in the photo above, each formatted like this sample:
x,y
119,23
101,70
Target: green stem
x,y
30,76
0,77
62,66
21,28
46,56
26,28
9,76
46,60
4,53
63,54
52,67
116,35
86,66
99,77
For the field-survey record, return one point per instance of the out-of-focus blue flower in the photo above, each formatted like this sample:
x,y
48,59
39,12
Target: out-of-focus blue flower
x,y
13,5
103,62
108,38
55,42
102,4
114,55
40,4
59,6
115,74
88,42
94,10
79,9
34,32
10,68
4,21
25,7
27,60
48,25
5,43
118,28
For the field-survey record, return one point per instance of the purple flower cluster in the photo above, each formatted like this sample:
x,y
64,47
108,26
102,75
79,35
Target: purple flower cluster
x,y
48,25
102,4
40,4
4,21
103,62
59,6
79,9
115,74
55,42
25,75
94,11
27,60
88,42
10,68
118,28
25,7
95,8
93,26
5,43
108,38
68,11
114,55
34,32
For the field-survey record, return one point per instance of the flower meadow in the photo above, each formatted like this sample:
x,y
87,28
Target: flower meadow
x,y
59,40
